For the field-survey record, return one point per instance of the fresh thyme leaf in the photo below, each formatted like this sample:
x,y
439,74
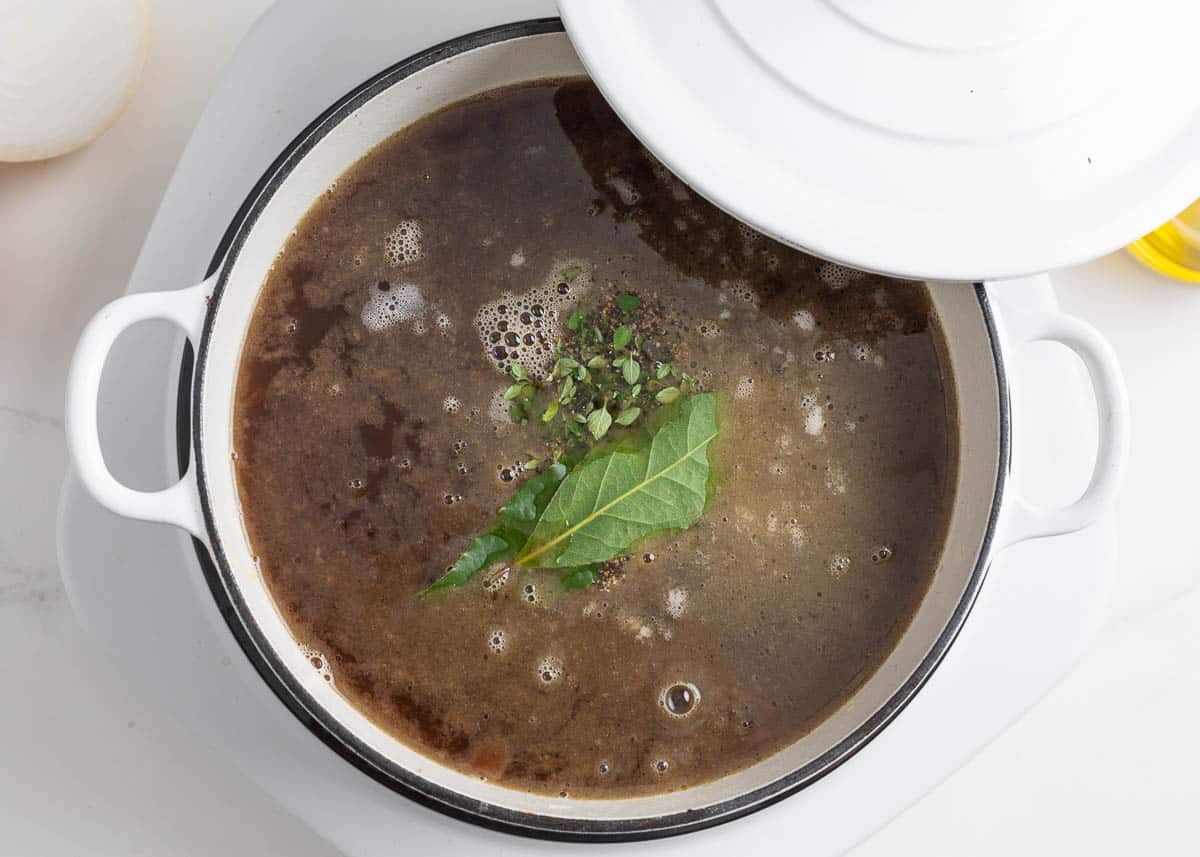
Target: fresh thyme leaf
x,y
629,302
599,422
514,523
664,369
636,391
612,500
570,273
631,371
597,362
564,366
575,322
618,362
514,391
667,395
621,336
518,372
567,390
580,418
628,416
550,412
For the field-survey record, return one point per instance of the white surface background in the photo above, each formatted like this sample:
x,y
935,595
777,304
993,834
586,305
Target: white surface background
x,y
1104,765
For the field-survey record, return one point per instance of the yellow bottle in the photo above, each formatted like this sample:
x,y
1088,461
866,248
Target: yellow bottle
x,y
1174,248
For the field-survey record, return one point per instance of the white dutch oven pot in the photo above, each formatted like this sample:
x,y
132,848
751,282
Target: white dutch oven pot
x,y
215,315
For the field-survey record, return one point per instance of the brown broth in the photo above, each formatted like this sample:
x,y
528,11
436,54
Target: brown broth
x,y
368,459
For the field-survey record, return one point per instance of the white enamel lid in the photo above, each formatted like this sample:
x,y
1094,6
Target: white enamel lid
x,y
940,139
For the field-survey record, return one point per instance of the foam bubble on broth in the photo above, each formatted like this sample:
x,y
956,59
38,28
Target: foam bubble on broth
x,y
389,305
838,276
676,601
521,329
402,246
814,421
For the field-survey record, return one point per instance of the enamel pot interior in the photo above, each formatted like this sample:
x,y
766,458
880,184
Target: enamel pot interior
x,y
379,108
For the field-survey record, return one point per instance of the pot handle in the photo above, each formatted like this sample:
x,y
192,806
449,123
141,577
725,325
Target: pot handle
x,y
180,503
1026,521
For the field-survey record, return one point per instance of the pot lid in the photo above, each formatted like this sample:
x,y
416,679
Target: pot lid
x,y
940,139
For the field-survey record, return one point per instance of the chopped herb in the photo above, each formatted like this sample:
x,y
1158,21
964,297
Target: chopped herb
x,y
621,336
628,302
575,322
667,395
518,372
597,362
550,412
631,371
599,422
664,369
628,416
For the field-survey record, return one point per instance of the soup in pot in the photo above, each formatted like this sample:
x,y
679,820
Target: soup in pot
x,y
569,480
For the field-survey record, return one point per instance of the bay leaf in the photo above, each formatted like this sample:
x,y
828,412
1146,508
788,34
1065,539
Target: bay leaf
x,y
513,526
613,499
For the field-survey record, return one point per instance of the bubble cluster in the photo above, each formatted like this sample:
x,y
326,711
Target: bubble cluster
x,y
804,320
319,662
676,601
750,237
389,305
708,329
860,351
451,404
498,408
443,322
497,641
796,534
744,388
495,581
838,276
530,594
839,564
662,766
521,329
881,554
825,353
835,479
549,669
741,291
402,245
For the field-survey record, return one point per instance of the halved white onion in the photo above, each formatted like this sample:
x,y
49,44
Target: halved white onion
x,y
67,70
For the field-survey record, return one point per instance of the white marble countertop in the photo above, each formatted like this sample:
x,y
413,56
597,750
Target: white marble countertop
x,y
1104,765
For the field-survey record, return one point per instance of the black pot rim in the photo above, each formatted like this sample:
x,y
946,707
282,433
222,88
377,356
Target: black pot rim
x,y
222,584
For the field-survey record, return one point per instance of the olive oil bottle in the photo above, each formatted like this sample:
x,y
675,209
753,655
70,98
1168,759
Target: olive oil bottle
x,y
1174,248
